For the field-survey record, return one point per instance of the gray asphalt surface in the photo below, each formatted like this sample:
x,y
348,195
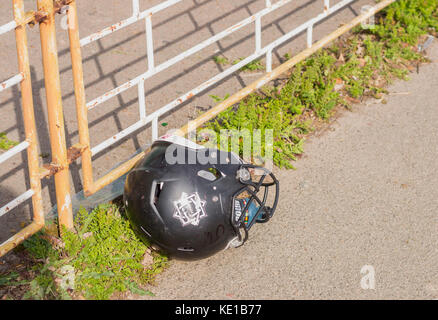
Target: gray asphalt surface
x,y
366,193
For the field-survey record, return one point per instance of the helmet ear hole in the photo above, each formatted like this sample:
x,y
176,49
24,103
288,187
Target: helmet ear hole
x,y
157,192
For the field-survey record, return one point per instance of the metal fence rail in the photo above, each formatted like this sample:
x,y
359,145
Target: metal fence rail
x,y
30,144
146,118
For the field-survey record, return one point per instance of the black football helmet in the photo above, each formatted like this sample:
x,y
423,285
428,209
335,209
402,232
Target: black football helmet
x,y
192,202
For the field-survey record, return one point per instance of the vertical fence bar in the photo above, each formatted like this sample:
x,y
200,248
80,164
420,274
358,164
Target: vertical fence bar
x,y
154,129
141,100
258,34
269,61
309,36
28,113
81,106
135,8
55,114
326,5
150,43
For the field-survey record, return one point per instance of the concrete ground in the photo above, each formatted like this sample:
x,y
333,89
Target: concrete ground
x,y
365,194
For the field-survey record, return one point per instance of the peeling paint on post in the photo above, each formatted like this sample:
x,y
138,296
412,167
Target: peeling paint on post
x,y
55,113
79,89
16,239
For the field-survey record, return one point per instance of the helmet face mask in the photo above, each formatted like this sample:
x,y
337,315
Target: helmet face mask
x,y
190,209
248,208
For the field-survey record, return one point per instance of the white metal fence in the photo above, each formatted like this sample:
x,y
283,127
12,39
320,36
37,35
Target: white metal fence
x,y
153,69
14,80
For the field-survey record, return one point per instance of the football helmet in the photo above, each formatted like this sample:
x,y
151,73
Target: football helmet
x,y
191,201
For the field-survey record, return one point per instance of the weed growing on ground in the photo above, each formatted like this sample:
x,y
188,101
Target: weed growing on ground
x,y
5,142
100,257
218,99
252,66
220,60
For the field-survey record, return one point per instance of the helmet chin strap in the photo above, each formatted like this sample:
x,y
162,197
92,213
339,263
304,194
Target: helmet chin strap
x,y
234,243
238,240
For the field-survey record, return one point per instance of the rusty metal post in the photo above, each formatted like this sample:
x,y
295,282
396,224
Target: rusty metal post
x,y
30,131
55,113
28,112
81,105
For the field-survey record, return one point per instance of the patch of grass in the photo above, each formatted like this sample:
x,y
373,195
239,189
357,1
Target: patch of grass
x,y
221,60
11,279
100,257
5,142
252,66
264,113
218,99
352,68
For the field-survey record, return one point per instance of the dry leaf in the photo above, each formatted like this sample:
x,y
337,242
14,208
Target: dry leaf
x,y
147,260
339,84
54,241
352,100
359,51
87,235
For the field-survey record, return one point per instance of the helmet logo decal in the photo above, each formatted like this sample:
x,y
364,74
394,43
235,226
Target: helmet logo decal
x,y
189,209
237,209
